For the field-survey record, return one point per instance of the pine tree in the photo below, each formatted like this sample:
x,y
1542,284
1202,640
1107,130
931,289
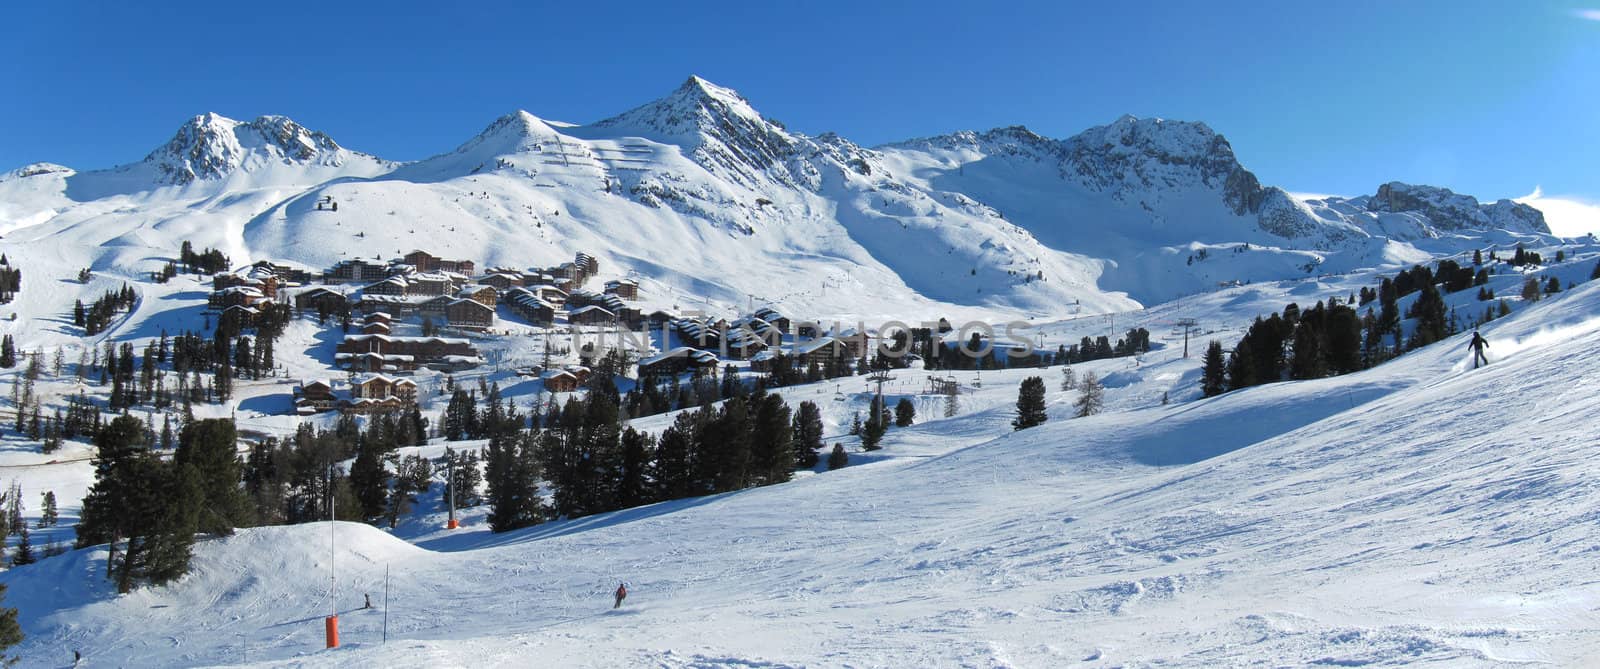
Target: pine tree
x,y
771,440
1092,396
8,352
512,474
1213,375
47,510
210,447
1530,290
873,430
676,450
369,480
24,554
807,435
838,459
1069,380
148,505
10,630
905,413
632,483
1030,403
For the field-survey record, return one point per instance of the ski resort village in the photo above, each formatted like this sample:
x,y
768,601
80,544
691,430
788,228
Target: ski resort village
x,y
686,388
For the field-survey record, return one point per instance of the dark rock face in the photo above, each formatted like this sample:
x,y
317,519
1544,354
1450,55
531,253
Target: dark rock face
x,y
211,147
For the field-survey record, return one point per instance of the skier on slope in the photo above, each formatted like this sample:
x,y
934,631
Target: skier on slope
x,y
1477,344
622,593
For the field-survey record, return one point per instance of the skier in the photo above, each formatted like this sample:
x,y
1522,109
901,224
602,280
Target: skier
x,y
622,593
369,601
1477,344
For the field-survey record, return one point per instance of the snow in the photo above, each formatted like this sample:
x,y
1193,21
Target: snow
x,y
1419,512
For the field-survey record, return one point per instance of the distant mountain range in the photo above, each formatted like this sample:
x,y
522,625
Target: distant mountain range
x,y
700,192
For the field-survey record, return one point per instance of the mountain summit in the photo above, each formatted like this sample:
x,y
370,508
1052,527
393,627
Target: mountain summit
x,y
212,146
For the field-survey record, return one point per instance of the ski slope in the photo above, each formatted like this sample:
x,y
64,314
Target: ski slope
x,y
1421,512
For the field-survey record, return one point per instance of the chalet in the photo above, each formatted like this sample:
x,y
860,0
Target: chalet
x,y
477,292
287,273
762,362
427,262
254,277
583,373
469,314
549,293
586,263
401,307
366,407
857,341
436,308
659,318
591,315
820,351
530,306
559,381
772,316
502,280
432,283
314,396
379,386
239,316
612,303
378,317
676,361
376,362
375,327
631,317
355,271
698,334
321,300
742,343
396,286
627,289
244,296
403,353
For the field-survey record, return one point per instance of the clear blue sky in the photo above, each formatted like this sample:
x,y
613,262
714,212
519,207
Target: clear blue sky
x,y
1489,98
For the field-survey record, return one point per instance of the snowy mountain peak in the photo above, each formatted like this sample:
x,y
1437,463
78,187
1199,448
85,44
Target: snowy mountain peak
x,y
716,125
511,133
1152,153
212,146
1449,210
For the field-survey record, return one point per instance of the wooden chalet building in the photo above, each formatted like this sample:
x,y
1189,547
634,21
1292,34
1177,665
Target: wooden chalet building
x,y
379,353
484,294
528,305
464,313
772,316
502,281
380,386
677,361
627,289
314,396
591,315
355,271
559,381
321,300
244,296
821,351
427,262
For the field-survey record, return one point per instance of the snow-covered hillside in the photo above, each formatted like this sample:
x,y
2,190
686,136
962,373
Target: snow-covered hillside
x,y
700,192
1417,512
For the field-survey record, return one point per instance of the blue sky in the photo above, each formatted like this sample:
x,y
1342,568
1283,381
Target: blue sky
x,y
1489,98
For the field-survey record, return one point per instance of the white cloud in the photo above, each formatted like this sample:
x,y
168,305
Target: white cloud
x,y
1568,216
1590,14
